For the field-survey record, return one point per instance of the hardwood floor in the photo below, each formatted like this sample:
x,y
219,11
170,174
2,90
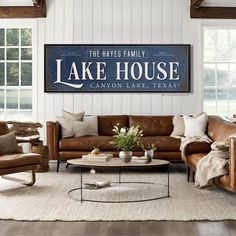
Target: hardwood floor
x,y
148,228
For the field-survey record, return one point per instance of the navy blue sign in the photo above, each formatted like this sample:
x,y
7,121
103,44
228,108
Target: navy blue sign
x,y
117,68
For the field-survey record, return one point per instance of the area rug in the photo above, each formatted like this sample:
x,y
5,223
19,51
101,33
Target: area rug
x,y
48,199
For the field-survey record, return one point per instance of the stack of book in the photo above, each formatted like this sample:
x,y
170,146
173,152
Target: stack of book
x,y
97,184
141,160
102,157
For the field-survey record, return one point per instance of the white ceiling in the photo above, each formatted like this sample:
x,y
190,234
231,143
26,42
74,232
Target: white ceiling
x,y
4,3
219,3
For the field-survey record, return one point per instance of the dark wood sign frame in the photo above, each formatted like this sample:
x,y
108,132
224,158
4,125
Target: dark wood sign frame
x,y
36,11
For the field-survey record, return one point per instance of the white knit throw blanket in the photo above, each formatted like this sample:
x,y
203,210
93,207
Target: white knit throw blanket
x,y
213,165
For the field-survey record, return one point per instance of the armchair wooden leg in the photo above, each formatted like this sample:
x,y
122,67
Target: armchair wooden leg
x,y
20,180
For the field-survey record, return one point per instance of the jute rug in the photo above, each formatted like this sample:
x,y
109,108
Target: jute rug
x,y
48,200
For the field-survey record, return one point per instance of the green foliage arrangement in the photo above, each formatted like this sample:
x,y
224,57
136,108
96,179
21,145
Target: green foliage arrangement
x,y
149,147
125,138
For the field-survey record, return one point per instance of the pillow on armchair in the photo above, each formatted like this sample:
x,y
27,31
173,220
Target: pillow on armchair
x,y
8,144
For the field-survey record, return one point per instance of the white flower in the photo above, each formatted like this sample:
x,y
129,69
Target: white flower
x,y
123,130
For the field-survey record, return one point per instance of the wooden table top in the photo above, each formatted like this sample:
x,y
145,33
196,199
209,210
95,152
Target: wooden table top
x,y
117,163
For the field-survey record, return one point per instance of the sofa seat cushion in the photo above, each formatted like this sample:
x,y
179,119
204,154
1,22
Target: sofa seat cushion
x,y
87,143
17,160
193,159
163,143
198,147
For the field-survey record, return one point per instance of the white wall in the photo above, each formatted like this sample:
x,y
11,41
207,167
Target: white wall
x,y
119,21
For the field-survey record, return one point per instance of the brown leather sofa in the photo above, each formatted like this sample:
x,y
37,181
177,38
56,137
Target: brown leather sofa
x,y
18,161
218,129
156,129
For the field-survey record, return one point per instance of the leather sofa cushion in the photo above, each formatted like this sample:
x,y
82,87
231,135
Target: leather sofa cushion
x,y
163,143
87,143
219,129
107,123
153,125
193,159
198,147
17,160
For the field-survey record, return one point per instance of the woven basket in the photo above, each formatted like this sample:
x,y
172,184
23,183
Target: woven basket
x,y
43,151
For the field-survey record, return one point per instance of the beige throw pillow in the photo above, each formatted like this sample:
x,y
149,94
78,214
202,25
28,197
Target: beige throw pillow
x,y
72,116
8,144
71,128
178,122
89,126
195,126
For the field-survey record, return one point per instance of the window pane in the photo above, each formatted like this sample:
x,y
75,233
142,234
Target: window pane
x,y
210,101
1,99
12,99
209,44
26,37
12,74
232,75
222,75
232,44
26,54
222,53
209,75
12,37
26,115
25,99
26,74
2,53
12,54
2,74
11,115
232,102
2,37
222,102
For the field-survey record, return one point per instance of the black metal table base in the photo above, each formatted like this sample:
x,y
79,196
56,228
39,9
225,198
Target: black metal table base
x,y
120,182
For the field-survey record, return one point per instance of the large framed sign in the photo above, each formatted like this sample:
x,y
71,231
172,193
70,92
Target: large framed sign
x,y
117,68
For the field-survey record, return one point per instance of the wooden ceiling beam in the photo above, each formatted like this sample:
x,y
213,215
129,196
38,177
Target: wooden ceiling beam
x,y
196,3
213,12
36,11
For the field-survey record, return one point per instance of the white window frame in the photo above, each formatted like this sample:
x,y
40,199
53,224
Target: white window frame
x,y
27,23
222,24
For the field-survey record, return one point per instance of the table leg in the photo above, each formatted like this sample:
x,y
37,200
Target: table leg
x,y
81,184
168,179
119,176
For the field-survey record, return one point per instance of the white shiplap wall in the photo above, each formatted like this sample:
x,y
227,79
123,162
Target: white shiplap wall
x,y
119,21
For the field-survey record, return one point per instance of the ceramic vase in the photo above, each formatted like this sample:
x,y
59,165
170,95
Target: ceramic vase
x,y
125,156
149,155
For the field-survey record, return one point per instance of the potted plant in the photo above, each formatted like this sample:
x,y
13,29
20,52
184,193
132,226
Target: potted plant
x,y
149,151
124,139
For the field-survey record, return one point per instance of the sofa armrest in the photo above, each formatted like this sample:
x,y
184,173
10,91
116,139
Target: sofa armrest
x,y
232,164
53,136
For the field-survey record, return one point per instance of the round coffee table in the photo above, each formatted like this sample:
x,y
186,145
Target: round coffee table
x,y
119,165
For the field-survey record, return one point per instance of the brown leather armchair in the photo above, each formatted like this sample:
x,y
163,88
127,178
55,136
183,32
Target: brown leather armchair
x,y
17,162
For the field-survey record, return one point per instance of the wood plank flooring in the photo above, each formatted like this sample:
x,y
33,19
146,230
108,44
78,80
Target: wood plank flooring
x,y
148,228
